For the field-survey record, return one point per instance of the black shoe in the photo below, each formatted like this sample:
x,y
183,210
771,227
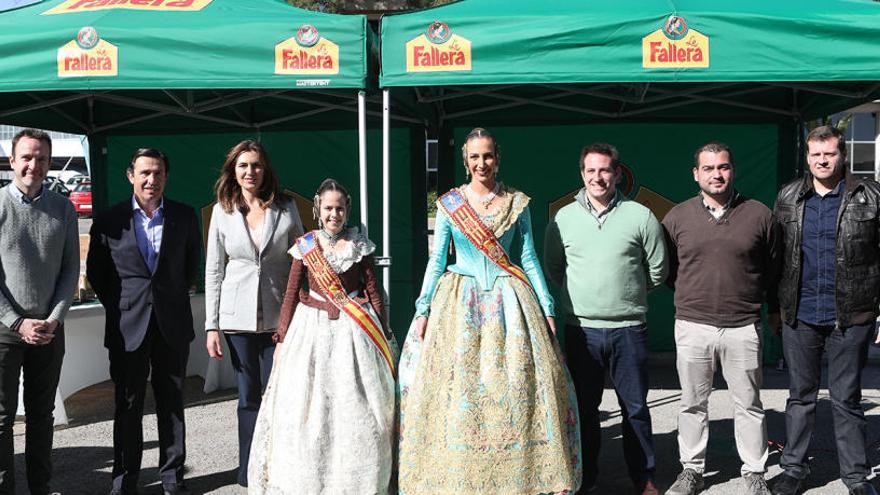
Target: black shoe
x,y
786,484
588,486
862,488
175,489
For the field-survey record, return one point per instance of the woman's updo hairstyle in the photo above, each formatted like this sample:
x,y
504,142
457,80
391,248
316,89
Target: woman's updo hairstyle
x,y
477,133
330,185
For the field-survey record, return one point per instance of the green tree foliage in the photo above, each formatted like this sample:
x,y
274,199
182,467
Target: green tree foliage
x,y
352,6
331,6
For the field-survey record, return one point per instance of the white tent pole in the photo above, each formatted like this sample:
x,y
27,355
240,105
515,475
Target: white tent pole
x,y
877,146
362,156
386,196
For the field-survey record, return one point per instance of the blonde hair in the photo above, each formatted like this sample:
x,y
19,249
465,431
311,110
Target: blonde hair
x,y
479,133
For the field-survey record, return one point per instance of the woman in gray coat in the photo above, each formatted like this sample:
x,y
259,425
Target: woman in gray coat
x,y
252,227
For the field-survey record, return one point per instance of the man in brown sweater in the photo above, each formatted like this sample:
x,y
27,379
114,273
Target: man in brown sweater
x,y
724,255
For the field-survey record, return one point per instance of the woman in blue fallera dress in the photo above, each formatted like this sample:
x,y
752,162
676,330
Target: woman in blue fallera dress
x,y
487,405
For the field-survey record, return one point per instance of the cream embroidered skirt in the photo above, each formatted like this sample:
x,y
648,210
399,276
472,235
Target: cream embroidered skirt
x,y
487,405
327,419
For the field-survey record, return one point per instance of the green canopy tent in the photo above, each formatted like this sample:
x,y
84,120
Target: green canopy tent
x,y
657,77
193,77
100,67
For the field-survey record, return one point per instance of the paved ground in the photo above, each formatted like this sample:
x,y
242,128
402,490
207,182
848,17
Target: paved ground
x,y
83,450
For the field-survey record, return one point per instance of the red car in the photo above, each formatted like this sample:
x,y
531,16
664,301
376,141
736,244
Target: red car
x,y
81,197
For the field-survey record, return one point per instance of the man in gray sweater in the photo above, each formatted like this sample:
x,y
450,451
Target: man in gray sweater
x,y
39,260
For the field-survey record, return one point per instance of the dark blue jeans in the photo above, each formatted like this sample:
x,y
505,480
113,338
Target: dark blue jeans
x,y
252,360
847,351
42,370
623,352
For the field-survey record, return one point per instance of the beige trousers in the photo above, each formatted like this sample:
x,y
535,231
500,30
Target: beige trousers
x,y
738,350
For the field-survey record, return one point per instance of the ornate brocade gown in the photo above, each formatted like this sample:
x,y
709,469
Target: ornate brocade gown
x,y
327,419
487,405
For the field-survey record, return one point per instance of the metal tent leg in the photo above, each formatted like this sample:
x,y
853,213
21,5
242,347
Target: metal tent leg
x,y
362,158
386,197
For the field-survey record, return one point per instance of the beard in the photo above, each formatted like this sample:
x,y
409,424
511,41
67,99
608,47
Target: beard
x,y
715,191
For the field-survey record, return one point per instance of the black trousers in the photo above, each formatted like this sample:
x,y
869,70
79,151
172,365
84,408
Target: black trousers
x,y
41,366
623,352
847,350
252,360
129,372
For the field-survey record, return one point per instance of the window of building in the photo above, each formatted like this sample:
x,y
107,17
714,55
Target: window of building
x,y
861,135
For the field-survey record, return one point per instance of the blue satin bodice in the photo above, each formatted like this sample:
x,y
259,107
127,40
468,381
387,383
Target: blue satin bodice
x,y
517,242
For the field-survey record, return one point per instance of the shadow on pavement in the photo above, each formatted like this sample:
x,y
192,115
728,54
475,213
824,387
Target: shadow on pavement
x,y
95,404
723,463
82,470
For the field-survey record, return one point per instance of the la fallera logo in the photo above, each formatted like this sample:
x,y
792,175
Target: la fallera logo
x,y
88,56
438,49
307,53
307,35
675,45
676,28
72,6
438,32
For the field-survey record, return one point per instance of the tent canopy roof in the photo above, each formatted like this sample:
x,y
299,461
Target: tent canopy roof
x,y
224,44
604,59
578,41
166,65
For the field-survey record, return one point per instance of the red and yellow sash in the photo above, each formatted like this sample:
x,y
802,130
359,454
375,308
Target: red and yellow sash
x,y
468,222
331,285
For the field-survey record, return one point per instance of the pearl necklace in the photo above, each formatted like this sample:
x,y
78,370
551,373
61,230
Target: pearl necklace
x,y
487,199
332,238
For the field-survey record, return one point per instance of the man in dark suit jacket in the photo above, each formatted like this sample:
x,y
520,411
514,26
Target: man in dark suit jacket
x,y
143,258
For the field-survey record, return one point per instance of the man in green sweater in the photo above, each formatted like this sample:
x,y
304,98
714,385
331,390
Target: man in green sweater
x,y
606,252
724,257
39,259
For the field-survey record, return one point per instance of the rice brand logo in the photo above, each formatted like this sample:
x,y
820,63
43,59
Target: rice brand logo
x,y
71,6
676,28
675,46
438,50
87,38
438,32
307,35
307,53
88,56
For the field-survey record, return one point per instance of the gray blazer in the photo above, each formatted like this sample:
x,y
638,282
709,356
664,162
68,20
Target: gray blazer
x,y
235,269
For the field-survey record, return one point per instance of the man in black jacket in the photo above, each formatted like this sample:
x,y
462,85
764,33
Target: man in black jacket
x,y
144,255
828,297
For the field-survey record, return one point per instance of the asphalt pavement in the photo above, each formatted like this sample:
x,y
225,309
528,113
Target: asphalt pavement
x,y
83,452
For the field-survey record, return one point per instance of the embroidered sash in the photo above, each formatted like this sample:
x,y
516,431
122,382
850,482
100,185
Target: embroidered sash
x,y
331,285
468,222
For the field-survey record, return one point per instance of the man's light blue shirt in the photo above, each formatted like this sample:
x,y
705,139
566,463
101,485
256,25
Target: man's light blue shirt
x,y
22,197
148,232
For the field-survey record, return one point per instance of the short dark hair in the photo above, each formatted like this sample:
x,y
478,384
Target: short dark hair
x,y
826,132
602,149
150,153
713,147
33,134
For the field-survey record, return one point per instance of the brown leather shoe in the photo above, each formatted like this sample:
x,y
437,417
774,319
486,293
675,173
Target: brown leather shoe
x,y
647,488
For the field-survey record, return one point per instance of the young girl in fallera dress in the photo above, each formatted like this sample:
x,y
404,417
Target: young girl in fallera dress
x,y
487,405
327,420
